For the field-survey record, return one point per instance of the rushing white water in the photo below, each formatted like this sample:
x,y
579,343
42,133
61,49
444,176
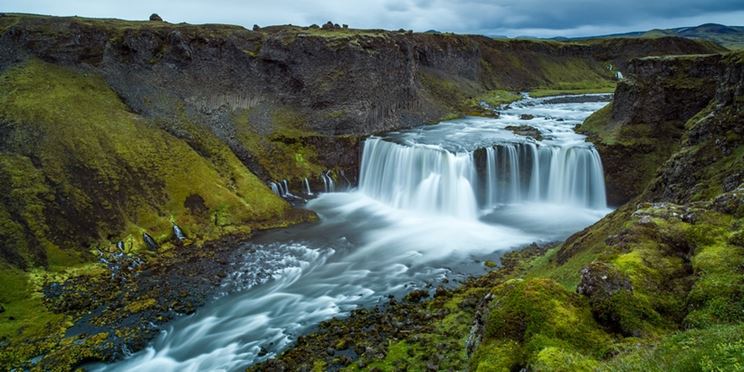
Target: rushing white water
x,y
432,203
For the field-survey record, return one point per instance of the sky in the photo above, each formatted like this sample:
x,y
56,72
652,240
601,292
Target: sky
x,y
541,18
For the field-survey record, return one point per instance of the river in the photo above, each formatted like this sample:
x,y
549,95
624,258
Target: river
x,y
433,204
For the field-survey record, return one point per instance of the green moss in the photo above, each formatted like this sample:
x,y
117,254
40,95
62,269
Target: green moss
x,y
26,322
497,356
282,151
718,348
716,296
119,174
541,314
494,98
556,359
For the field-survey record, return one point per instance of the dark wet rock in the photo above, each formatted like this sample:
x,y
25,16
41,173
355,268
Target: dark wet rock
x,y
416,295
600,281
526,117
178,233
155,17
525,130
149,241
129,311
730,202
475,335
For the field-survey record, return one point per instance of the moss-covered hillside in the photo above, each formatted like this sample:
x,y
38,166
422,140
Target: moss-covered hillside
x,y
657,285
81,172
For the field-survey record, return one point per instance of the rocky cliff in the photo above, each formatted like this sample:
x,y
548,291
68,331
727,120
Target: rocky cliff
x,y
278,103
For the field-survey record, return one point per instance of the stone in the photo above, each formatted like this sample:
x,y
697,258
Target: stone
x,y
149,241
256,27
601,280
328,26
526,117
525,130
155,17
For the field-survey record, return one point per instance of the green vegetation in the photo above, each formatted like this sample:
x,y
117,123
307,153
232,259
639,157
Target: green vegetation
x,y
84,172
494,98
283,151
570,89
128,177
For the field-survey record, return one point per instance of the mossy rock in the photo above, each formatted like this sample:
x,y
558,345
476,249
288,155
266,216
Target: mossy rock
x,y
540,314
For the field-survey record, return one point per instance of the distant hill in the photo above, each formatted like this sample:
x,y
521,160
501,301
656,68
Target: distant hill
x,y
731,37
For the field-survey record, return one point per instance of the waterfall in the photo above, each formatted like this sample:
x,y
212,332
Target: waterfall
x,y
427,178
420,178
280,188
328,184
308,191
275,188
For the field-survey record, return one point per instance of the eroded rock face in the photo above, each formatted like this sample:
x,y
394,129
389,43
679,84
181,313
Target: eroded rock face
x,y
667,104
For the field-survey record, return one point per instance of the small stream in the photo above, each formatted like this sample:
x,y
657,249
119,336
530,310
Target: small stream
x,y
432,204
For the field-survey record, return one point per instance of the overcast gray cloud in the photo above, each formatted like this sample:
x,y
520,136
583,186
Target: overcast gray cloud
x,y
501,17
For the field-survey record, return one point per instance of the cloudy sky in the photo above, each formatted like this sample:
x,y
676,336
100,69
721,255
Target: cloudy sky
x,y
544,18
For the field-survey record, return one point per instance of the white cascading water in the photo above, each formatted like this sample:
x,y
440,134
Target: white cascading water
x,y
430,179
425,179
433,204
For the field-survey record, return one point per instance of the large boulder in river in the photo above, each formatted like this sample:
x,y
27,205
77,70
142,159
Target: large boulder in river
x,y
525,130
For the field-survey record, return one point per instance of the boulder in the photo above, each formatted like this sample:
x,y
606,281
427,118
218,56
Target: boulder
x,y
600,280
328,26
613,303
155,17
256,28
526,117
525,130
149,241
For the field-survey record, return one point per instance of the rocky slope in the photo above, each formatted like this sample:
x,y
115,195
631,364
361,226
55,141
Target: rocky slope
x,y
656,285
111,129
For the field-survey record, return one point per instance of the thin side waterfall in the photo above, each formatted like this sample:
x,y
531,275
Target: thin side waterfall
x,y
430,179
328,184
307,187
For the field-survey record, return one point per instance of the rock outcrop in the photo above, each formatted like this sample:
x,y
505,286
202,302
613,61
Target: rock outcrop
x,y
646,122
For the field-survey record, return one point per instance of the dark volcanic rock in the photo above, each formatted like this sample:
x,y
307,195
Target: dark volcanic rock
x,y
646,120
526,117
525,130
